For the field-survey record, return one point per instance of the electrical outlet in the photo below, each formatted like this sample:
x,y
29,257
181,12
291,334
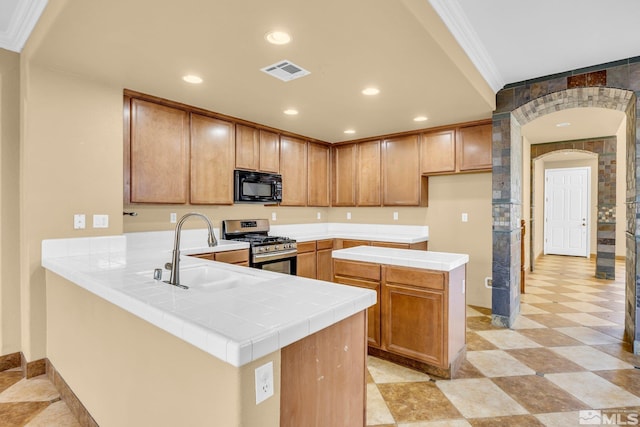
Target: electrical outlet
x,y
465,217
173,218
79,221
264,382
319,215
395,216
348,215
274,217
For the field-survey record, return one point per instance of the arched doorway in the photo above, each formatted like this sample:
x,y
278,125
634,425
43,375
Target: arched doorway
x,y
511,115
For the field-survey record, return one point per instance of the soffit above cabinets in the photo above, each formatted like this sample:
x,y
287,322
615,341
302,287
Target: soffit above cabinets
x,y
443,59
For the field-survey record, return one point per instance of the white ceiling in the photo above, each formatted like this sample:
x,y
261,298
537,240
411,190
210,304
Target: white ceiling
x,y
422,66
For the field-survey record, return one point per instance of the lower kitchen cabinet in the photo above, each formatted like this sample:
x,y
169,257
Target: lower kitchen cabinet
x,y
420,316
324,263
363,275
238,257
350,243
306,259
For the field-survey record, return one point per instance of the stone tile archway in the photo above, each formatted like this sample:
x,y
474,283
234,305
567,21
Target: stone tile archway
x,y
514,110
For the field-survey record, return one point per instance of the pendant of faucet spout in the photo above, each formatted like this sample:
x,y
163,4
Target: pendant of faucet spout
x,y
174,279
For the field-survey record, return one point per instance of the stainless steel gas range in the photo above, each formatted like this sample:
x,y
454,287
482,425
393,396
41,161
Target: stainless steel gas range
x,y
273,253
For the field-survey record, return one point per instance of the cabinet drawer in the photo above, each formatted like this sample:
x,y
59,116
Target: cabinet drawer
x,y
306,247
415,277
347,243
208,256
324,244
360,270
233,257
391,245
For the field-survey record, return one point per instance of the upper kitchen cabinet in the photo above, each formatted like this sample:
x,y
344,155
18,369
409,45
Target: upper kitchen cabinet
x,y
158,153
212,155
368,174
402,184
456,150
475,147
318,179
257,149
438,152
344,175
293,168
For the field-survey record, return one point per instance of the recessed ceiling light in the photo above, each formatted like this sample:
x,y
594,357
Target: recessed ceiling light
x,y
291,112
371,91
277,37
190,78
350,131
563,124
420,119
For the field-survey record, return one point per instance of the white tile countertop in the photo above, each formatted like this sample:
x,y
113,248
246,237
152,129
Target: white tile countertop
x,y
336,230
428,260
249,313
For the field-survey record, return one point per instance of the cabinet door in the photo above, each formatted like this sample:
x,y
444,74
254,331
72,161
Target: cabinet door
x,y
293,167
401,171
247,147
475,147
324,265
414,323
318,182
373,312
269,152
212,160
240,256
368,173
438,152
307,265
344,175
159,153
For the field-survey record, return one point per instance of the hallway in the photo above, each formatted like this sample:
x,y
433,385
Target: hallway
x,y
564,355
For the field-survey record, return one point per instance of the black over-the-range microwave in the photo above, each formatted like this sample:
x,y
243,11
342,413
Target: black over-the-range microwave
x,y
257,187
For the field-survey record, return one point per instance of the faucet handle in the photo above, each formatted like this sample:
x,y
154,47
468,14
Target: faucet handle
x,y
168,266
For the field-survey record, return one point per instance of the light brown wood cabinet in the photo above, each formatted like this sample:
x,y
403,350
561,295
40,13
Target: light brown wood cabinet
x,y
238,257
350,243
438,152
363,275
306,259
324,262
257,149
318,184
420,316
368,173
212,153
402,184
344,162
158,153
475,144
293,168
458,150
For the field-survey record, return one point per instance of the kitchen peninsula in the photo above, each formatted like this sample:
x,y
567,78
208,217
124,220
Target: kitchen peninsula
x,y
419,319
116,334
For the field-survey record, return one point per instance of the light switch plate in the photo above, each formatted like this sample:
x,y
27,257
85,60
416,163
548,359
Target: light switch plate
x,y
465,217
348,215
319,215
395,216
173,218
274,217
101,221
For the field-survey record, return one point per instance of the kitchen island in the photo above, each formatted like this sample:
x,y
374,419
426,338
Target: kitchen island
x,y
419,319
137,351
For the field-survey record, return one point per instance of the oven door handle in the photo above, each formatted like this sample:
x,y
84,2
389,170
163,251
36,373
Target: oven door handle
x,y
272,256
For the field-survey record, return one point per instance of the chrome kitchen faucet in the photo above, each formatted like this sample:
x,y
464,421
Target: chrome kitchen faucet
x,y
174,279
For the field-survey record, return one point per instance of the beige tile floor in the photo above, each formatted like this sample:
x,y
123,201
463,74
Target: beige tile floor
x,y
564,355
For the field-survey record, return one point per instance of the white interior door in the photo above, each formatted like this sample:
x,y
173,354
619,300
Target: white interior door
x,y
566,220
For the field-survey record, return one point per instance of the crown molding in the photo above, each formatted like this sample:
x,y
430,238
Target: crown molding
x,y
455,19
22,22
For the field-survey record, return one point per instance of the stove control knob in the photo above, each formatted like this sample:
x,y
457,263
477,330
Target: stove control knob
x,y
275,247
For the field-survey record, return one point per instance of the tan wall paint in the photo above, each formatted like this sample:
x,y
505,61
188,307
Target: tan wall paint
x,y
128,372
9,202
71,162
154,218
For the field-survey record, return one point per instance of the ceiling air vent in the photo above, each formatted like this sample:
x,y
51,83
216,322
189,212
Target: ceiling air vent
x,y
285,70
